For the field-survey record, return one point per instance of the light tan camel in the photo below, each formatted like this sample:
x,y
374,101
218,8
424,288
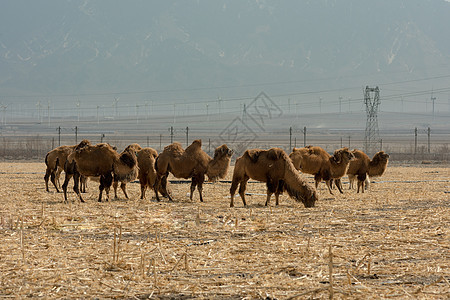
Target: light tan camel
x,y
55,160
362,167
147,174
316,161
273,167
193,163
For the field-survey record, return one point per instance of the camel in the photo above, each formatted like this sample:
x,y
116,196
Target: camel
x,y
100,160
363,167
193,163
55,160
115,184
147,174
124,179
274,167
316,161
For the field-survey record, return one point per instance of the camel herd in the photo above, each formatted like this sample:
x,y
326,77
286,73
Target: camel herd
x,y
280,172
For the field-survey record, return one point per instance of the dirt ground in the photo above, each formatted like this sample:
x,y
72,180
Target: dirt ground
x,y
390,242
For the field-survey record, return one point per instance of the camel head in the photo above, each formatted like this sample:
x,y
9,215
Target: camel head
x,y
218,166
133,147
380,157
310,200
82,144
126,167
342,155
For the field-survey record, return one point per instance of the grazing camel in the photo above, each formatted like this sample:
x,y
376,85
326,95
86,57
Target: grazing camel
x,y
274,167
55,160
193,163
316,161
362,167
99,160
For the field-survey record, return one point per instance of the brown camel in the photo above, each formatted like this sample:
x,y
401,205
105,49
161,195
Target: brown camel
x,y
362,167
128,177
193,163
147,174
316,161
274,167
55,160
99,160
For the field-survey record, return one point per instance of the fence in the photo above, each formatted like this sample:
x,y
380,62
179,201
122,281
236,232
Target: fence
x,y
402,145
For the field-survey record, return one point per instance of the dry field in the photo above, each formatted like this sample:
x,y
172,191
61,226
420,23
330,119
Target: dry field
x,y
390,242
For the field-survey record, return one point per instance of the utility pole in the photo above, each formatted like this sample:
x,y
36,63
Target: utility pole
x,y
59,135
76,134
429,136
290,138
432,101
187,136
171,134
371,137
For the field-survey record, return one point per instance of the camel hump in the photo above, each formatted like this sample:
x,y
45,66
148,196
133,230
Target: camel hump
x,y
174,148
275,153
83,144
194,147
253,154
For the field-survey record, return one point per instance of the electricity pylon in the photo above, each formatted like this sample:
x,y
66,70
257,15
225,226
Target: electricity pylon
x,y
372,136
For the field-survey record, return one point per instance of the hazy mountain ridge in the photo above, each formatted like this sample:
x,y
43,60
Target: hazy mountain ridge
x,y
95,46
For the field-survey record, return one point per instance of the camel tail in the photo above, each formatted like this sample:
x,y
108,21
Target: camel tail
x,y
46,159
156,164
297,187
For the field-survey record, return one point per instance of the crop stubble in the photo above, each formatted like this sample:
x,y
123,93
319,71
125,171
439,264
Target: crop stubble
x,y
390,242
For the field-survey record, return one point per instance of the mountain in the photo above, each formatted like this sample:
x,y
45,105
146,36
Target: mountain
x,y
202,47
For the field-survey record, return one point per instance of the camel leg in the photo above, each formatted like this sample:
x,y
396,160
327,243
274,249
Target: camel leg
x,y
57,176
269,194
328,183
200,187
164,182
76,185
361,180
339,185
242,188
279,190
193,185
271,188
158,181
46,178
161,180
65,184
234,185
115,185
53,180
105,184
123,186
143,188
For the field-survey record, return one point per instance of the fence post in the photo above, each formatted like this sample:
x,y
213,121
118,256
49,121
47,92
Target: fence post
x,y
304,136
415,140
